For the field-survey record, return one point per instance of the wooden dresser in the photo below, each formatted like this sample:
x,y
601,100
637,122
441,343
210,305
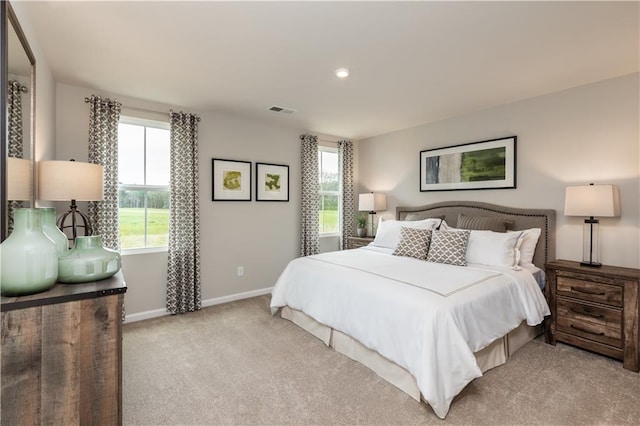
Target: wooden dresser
x,y
595,309
62,355
355,242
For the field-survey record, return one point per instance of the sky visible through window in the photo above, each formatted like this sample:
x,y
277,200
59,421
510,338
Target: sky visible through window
x,y
131,155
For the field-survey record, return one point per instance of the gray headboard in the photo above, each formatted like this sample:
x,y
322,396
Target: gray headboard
x,y
544,219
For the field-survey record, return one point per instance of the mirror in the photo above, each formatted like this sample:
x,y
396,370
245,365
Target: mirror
x,y
18,107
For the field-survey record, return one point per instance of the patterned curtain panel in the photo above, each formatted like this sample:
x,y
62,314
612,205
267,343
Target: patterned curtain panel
x,y
310,226
104,115
347,192
14,118
183,280
15,136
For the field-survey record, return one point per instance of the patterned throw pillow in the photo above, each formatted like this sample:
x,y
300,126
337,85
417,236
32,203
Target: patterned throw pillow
x,y
449,247
414,242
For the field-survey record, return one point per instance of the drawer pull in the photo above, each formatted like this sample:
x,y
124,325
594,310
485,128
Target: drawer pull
x,y
587,313
586,331
581,290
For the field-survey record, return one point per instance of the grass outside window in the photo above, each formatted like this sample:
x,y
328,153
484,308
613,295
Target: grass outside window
x,y
132,227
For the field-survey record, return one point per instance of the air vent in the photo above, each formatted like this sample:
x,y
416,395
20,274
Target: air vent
x,y
283,110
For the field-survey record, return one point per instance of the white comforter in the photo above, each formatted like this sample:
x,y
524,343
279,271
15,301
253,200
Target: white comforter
x,y
428,318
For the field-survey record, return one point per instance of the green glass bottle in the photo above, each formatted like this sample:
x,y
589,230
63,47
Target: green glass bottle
x,y
88,261
52,231
28,257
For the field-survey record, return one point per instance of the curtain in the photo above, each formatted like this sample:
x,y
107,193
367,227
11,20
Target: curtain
x,y
345,171
183,278
310,223
15,135
104,115
14,118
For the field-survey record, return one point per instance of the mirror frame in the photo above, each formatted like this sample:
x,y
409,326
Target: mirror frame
x,y
8,17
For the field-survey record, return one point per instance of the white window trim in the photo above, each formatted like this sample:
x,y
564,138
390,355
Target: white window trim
x,y
127,119
332,149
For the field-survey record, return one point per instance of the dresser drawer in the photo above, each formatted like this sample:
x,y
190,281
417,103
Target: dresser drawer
x,y
589,290
596,323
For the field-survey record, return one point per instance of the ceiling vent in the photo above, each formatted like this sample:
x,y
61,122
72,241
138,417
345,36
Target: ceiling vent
x,y
283,110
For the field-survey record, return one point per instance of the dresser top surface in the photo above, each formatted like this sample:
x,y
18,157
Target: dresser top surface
x,y
61,293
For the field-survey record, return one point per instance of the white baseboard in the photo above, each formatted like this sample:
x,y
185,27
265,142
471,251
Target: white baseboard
x,y
155,313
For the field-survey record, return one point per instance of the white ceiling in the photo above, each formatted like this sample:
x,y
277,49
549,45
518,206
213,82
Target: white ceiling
x,y
411,63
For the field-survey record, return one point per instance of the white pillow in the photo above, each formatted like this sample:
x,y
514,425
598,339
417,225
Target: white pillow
x,y
493,248
527,244
388,234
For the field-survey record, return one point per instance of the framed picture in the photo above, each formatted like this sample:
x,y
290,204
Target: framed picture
x,y
272,182
479,165
231,180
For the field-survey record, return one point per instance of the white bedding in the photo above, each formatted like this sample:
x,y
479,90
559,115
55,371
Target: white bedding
x,y
431,327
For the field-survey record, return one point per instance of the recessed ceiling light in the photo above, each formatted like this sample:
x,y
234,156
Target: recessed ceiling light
x,y
342,72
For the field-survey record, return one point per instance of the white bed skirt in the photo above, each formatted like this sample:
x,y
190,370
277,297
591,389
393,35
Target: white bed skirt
x,y
492,356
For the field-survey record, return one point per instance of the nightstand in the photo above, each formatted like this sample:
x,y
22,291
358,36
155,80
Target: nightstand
x,y
355,242
595,309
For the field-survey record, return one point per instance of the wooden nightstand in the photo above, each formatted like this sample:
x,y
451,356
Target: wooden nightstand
x,y
355,242
595,309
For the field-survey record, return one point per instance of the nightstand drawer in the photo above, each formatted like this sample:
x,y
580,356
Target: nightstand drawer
x,y
596,323
589,290
357,242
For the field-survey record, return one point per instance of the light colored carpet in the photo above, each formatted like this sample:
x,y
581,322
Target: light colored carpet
x,y
236,364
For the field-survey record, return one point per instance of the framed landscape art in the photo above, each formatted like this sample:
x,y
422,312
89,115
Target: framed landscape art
x,y
272,182
487,164
231,180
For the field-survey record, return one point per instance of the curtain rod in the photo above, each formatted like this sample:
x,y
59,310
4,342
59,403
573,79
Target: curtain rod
x,y
21,87
168,113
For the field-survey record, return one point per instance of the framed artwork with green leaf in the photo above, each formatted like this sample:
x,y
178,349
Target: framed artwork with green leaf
x,y
272,182
489,164
231,180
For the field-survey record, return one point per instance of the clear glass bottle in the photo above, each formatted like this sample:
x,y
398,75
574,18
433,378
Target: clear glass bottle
x,y
29,259
52,231
88,261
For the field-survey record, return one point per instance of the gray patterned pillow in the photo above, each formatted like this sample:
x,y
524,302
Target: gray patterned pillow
x,y
484,223
449,247
414,242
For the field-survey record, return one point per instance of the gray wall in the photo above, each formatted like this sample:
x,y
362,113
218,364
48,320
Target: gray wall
x,y
260,236
574,137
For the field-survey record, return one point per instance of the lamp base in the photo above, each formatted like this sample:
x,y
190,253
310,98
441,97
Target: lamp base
x,y
591,264
79,222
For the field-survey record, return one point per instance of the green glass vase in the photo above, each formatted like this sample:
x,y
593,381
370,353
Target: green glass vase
x,y
52,231
28,257
88,261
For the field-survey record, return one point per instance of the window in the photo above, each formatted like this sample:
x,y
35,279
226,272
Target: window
x,y
329,191
143,183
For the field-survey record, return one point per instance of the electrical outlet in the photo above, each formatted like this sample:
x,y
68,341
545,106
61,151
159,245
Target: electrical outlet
x,y
240,271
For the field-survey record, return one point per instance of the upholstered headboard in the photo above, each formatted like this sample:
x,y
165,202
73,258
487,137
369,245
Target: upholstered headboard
x,y
545,219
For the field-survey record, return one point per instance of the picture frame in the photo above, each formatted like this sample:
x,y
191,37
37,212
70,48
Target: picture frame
x,y
272,182
489,164
230,180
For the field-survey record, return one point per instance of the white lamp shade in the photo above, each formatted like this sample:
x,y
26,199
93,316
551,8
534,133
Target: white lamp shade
x,y
592,200
372,202
70,180
18,179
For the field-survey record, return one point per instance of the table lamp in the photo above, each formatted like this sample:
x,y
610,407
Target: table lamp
x,y
372,202
75,181
591,200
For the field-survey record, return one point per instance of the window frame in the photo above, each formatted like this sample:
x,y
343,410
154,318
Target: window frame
x,y
157,124
321,192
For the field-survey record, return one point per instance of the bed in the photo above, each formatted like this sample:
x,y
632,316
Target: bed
x,y
428,327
